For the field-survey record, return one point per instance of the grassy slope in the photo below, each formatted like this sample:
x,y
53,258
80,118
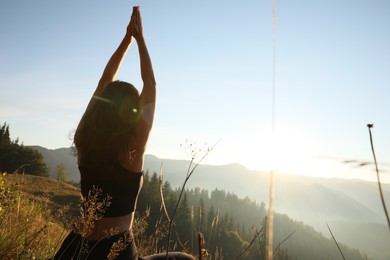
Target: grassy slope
x,y
57,195
35,215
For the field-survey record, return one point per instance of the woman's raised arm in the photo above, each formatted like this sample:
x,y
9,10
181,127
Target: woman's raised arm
x,y
111,70
148,94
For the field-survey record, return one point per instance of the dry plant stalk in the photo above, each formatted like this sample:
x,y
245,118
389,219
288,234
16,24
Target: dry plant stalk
x,y
91,210
270,220
257,233
214,225
190,170
334,239
119,246
202,252
162,195
284,240
377,175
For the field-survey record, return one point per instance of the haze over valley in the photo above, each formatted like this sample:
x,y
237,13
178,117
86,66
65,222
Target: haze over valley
x,y
352,208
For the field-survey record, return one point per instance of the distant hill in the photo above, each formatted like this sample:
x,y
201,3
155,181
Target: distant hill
x,y
63,156
315,201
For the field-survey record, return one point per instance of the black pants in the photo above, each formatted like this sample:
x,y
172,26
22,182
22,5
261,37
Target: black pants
x,y
120,247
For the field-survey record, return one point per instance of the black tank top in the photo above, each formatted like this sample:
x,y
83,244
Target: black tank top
x,y
122,185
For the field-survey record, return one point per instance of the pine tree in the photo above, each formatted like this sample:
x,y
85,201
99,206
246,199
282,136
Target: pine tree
x,y
5,140
18,158
183,221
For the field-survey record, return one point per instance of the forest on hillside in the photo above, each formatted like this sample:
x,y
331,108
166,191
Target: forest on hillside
x,y
230,225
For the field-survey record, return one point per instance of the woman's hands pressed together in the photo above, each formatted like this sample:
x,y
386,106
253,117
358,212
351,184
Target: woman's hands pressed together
x,y
135,25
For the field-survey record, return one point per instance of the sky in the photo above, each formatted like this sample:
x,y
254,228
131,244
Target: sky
x,y
214,66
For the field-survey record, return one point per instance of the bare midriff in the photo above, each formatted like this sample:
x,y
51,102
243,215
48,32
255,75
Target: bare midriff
x,y
106,227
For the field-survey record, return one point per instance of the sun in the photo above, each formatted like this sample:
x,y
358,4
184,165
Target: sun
x,y
293,150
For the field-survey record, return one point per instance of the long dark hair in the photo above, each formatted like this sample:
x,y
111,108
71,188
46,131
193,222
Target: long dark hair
x,y
105,132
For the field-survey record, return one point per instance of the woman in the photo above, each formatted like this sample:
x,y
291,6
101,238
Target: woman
x,y
111,139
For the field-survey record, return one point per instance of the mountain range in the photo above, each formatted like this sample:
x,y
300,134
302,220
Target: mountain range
x,y
352,208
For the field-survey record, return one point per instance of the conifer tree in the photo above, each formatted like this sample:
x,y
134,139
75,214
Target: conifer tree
x,y
18,158
183,220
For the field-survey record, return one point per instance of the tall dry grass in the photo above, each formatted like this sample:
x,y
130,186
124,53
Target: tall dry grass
x,y
28,229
